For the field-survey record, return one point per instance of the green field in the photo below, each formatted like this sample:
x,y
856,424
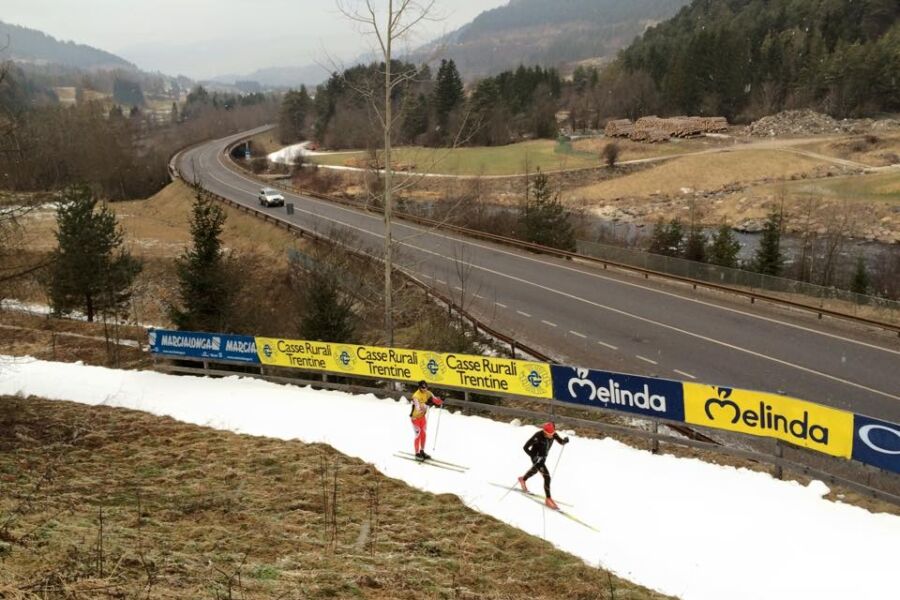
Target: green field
x,y
496,160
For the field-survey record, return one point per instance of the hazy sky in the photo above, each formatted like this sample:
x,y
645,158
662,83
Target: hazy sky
x,y
204,38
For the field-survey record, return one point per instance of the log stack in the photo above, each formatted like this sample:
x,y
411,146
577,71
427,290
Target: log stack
x,y
655,129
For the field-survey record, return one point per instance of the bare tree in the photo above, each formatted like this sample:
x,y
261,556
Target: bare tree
x,y
388,25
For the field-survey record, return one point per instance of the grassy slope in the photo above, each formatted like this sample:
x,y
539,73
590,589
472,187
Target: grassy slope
x,y
185,508
702,172
495,160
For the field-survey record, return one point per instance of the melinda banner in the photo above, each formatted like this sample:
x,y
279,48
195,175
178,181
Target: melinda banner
x,y
659,398
801,423
212,346
479,373
876,443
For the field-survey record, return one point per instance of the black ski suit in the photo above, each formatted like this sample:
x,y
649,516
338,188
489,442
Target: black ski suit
x,y
537,447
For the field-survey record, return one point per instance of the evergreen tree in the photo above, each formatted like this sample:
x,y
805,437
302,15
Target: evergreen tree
x,y
91,270
205,289
544,220
860,283
695,245
449,92
295,108
415,122
328,315
724,248
667,239
769,258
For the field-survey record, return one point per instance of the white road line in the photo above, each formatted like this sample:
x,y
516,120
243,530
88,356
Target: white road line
x,y
575,333
501,305
524,314
456,287
688,375
479,296
645,359
441,281
549,323
610,346
427,276
597,304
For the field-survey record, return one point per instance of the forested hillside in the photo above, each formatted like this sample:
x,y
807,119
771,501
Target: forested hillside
x,y
548,33
32,46
747,58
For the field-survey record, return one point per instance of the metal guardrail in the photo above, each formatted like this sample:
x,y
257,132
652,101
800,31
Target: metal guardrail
x,y
778,463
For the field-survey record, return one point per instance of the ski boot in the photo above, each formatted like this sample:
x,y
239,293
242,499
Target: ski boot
x,y
551,504
522,485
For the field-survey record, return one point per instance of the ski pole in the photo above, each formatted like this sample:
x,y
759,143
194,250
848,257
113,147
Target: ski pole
x,y
558,458
437,429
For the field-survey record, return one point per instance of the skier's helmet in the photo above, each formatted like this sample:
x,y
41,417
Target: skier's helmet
x,y
549,428
423,384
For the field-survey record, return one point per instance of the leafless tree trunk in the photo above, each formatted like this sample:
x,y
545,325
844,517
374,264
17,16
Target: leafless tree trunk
x,y
388,25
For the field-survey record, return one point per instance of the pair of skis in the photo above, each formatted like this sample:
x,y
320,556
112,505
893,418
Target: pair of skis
x,y
541,499
433,462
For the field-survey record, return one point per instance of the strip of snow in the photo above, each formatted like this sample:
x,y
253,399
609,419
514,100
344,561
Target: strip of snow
x,y
680,526
289,154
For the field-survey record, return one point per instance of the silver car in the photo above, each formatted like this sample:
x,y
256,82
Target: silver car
x,y
269,197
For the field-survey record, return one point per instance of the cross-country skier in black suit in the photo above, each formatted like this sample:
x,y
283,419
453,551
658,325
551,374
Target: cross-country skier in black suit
x,y
537,447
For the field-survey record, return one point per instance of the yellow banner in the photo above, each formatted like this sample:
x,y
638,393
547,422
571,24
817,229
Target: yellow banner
x,y
480,373
801,423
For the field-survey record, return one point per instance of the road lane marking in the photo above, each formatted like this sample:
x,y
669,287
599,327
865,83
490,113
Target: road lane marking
x,y
441,281
501,305
586,301
575,333
524,314
645,359
688,375
549,323
610,346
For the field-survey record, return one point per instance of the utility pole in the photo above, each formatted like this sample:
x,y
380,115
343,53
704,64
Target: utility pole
x,y
388,185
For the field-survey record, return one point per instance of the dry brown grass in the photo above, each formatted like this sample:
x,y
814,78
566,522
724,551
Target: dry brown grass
x,y
701,172
636,150
189,512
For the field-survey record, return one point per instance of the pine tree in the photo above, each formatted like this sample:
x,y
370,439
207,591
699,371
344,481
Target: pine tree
x,y
415,122
667,239
448,94
724,248
328,315
91,269
295,107
205,289
860,283
544,220
769,259
695,245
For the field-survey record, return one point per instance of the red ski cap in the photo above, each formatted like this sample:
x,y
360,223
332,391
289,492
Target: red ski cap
x,y
549,428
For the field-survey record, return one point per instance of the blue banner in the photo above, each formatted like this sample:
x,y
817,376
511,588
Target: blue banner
x,y
876,443
211,346
659,398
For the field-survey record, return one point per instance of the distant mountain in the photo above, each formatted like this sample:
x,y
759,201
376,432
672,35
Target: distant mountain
x,y
547,33
34,47
746,58
280,77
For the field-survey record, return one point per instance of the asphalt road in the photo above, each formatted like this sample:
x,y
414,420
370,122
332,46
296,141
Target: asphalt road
x,y
585,316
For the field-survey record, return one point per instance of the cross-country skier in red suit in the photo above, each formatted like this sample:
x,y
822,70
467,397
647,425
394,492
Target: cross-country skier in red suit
x,y
537,447
422,399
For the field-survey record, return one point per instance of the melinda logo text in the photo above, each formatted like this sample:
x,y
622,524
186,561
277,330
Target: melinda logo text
x,y
767,419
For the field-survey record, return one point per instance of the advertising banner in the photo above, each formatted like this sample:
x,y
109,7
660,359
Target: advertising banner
x,y
876,443
478,373
659,398
211,346
801,423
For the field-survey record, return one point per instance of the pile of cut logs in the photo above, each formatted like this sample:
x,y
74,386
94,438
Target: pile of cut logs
x,y
655,129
